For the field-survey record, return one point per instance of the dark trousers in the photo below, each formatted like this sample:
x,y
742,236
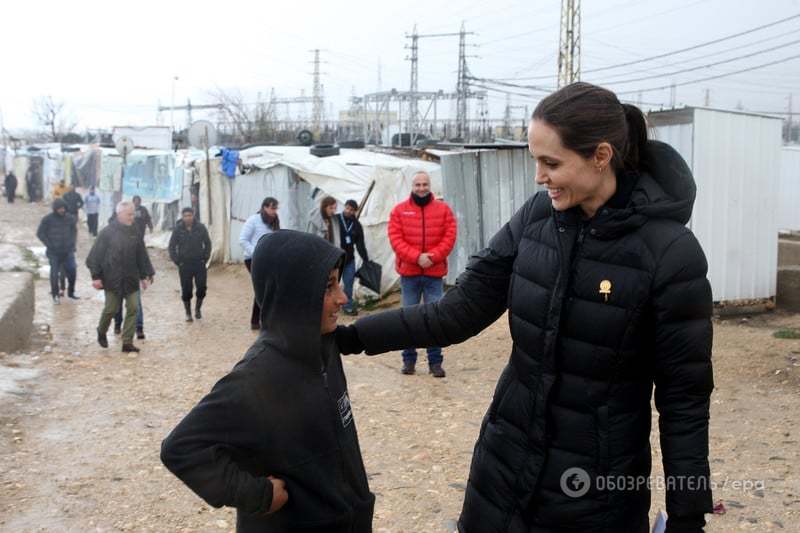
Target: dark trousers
x,y
255,315
57,262
193,271
91,221
10,193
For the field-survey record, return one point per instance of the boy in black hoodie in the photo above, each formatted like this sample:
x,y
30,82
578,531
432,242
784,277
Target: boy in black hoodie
x,y
276,438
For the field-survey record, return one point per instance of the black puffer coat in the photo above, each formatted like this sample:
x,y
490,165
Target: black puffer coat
x,y
600,311
58,233
283,410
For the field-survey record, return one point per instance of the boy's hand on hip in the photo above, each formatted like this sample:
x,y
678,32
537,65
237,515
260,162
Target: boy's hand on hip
x,y
97,284
279,494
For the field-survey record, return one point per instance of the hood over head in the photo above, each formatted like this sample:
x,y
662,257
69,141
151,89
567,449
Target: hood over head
x,y
674,191
58,203
664,189
290,272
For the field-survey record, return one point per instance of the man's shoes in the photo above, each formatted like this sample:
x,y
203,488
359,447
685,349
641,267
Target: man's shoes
x,y
197,314
57,299
74,296
128,348
117,329
140,334
187,307
408,368
437,371
102,340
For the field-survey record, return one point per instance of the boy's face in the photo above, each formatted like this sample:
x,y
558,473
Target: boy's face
x,y
334,299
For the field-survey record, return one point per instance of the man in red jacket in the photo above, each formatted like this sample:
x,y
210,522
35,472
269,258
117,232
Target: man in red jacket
x,y
422,231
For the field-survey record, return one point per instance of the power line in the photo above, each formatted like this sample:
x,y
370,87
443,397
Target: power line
x,y
690,69
699,80
697,58
701,45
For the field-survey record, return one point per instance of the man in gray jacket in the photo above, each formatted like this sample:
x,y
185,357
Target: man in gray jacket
x,y
119,264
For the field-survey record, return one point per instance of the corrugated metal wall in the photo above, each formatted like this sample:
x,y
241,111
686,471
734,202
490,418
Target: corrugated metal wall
x,y
789,197
735,160
484,188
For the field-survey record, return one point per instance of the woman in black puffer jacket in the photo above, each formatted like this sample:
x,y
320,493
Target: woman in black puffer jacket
x,y
607,298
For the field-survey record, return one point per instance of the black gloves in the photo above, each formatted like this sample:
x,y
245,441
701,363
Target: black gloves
x,y
686,524
348,341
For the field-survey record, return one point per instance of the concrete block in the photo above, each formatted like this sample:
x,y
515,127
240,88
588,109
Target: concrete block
x,y
788,289
16,310
788,252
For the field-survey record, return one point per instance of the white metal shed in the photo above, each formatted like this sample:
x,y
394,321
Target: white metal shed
x,y
735,157
789,207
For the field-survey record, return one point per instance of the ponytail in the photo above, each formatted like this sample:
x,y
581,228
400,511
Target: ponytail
x,y
636,153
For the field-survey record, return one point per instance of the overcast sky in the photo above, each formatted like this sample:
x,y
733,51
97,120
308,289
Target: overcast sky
x,y
113,63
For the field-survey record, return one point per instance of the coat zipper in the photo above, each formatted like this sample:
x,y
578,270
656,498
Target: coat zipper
x,y
423,230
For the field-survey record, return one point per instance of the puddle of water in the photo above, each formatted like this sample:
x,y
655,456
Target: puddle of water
x,y
10,379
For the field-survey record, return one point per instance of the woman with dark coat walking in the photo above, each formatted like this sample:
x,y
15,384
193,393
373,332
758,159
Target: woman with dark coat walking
x,y
607,298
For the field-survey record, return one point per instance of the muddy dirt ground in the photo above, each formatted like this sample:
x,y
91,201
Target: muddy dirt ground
x,y
81,426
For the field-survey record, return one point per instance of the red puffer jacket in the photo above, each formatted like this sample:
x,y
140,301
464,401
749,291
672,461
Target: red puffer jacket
x,y
414,230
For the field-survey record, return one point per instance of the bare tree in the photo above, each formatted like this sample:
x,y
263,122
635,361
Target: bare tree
x,y
248,122
51,115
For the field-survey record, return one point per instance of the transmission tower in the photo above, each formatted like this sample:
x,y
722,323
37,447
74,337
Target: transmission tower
x,y
414,94
569,43
462,86
317,107
413,104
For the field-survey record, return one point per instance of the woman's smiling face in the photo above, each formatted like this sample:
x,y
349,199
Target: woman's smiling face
x,y
570,178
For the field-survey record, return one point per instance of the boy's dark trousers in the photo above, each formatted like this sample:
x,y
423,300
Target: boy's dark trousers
x,y
91,221
193,271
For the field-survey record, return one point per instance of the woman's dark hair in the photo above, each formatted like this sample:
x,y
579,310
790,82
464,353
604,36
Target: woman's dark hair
x,y
325,203
275,223
269,201
585,115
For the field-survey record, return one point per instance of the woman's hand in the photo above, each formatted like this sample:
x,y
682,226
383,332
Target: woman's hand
x,y
279,494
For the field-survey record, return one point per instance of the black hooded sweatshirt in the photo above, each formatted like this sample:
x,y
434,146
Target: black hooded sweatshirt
x,y
283,410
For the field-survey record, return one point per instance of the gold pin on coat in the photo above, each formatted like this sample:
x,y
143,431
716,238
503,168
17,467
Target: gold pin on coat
x,y
605,288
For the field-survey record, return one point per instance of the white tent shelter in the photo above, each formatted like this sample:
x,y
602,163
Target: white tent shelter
x,y
299,180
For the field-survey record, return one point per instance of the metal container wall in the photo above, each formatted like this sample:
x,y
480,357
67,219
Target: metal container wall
x,y
484,188
789,208
735,160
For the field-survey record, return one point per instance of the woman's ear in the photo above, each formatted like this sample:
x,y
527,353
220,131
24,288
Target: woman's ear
x,y
603,155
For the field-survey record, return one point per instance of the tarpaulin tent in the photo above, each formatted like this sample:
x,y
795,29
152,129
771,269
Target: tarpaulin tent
x,y
346,176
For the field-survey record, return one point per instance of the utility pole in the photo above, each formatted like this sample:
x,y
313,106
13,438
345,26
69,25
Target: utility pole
x,y
317,108
380,82
507,117
673,94
789,121
569,43
707,99
462,85
413,104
